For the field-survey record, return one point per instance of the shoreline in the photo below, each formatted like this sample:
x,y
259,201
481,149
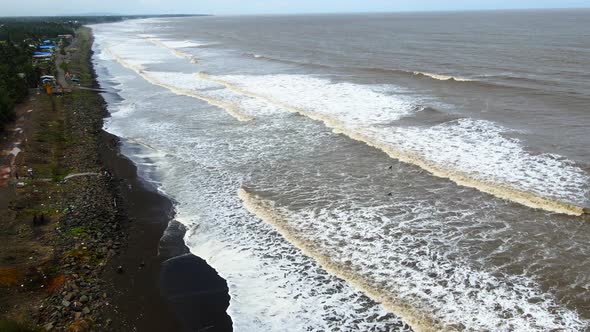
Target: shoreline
x,y
106,254
162,287
136,301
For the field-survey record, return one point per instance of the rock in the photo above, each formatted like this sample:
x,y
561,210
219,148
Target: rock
x,y
48,327
69,296
83,299
141,265
77,316
85,311
65,303
119,269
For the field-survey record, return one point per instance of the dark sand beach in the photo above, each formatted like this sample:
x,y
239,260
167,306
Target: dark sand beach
x,y
156,283
99,261
162,286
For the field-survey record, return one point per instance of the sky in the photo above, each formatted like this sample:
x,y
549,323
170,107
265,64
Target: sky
x,y
233,7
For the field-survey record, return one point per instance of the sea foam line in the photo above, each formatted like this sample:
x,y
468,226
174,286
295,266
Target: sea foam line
x,y
230,108
440,77
465,313
501,191
175,51
419,321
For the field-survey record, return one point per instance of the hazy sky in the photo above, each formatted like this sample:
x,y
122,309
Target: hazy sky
x,y
64,7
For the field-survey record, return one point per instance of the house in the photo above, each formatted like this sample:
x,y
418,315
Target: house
x,y
44,54
47,78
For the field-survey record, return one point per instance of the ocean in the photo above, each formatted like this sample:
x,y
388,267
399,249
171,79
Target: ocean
x,y
369,172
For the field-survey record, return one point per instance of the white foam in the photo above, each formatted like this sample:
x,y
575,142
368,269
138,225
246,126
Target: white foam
x,y
254,55
173,81
202,159
466,151
122,110
175,47
242,107
174,44
440,77
137,52
480,149
387,259
272,285
357,105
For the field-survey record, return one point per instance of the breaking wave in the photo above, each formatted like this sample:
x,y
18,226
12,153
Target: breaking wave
x,y
190,90
472,153
432,293
375,251
440,77
175,47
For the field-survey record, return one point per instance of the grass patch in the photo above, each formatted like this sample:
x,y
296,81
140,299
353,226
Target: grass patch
x,y
53,171
52,132
77,231
58,173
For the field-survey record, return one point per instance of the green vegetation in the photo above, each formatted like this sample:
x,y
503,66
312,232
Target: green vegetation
x,y
16,75
18,30
77,231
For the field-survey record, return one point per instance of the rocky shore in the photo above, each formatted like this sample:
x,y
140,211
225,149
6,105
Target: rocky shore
x,y
81,246
102,254
68,218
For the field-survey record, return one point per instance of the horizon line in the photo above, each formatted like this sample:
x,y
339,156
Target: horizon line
x,y
313,13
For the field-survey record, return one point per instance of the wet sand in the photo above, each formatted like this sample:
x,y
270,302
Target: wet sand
x,y
156,284
162,286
